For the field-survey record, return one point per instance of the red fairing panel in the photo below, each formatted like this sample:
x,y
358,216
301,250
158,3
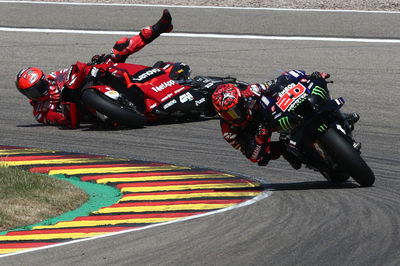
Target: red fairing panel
x,y
155,83
161,88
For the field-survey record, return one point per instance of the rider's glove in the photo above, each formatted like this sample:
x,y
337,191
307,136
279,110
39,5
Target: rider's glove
x,y
258,150
264,160
99,59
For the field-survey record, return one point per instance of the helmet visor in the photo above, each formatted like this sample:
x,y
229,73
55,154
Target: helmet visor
x,y
234,115
40,89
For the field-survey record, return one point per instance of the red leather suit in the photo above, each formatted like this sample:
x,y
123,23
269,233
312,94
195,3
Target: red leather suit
x,y
48,110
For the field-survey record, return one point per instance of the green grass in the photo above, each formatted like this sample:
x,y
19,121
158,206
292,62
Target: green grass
x,y
27,198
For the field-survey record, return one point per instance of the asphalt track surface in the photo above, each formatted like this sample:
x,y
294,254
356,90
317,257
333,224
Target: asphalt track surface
x,y
305,221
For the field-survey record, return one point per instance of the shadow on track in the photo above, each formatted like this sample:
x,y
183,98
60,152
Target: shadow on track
x,y
106,126
309,185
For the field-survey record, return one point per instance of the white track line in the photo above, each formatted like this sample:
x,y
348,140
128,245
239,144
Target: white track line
x,y
206,7
205,35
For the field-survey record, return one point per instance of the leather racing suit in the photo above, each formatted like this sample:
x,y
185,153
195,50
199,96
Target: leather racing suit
x,y
253,138
50,110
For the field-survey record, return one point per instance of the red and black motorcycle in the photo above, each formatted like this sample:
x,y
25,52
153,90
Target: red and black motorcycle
x,y
134,95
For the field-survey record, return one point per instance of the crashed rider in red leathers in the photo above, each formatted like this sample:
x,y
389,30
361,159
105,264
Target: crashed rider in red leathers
x,y
244,127
43,91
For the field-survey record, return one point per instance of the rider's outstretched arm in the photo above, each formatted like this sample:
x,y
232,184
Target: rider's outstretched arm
x,y
127,46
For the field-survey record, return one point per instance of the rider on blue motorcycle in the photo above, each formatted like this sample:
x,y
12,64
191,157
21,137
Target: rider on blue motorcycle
x,y
247,129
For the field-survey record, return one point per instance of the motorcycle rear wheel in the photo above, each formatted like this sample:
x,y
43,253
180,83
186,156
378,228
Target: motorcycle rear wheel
x,y
112,109
348,158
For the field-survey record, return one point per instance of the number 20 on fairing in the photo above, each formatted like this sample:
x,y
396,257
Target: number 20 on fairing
x,y
290,96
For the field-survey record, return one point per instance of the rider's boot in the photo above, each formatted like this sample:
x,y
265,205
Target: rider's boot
x,y
164,24
278,149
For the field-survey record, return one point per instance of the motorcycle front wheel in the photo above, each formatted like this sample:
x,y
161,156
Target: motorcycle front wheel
x,y
335,176
114,110
347,157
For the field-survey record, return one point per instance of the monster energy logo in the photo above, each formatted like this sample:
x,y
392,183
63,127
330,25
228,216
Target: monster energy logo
x,y
320,92
284,123
322,128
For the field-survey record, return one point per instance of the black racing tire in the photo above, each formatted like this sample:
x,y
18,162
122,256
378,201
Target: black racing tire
x,y
335,176
112,109
348,158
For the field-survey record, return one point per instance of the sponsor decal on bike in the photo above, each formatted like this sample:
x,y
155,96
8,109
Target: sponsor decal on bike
x,y
297,102
166,97
265,101
146,74
287,89
284,123
169,104
167,66
294,73
187,97
277,115
289,95
198,102
209,85
163,85
112,94
94,71
322,128
179,90
339,101
321,92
